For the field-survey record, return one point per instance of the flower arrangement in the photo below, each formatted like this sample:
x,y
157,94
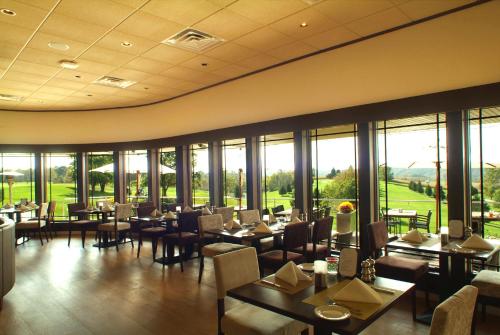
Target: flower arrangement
x,y
345,207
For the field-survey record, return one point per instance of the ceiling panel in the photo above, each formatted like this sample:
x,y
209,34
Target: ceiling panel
x,y
256,33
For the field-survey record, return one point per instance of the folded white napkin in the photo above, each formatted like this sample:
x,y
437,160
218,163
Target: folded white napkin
x,y
291,274
7,206
31,204
232,225
357,291
262,228
296,220
170,215
272,218
24,208
413,236
206,211
90,208
187,209
477,242
155,214
107,208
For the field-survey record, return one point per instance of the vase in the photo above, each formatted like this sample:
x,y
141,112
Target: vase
x,y
345,222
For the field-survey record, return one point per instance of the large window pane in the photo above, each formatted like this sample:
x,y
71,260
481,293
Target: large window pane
x,y
61,185
334,172
18,180
234,173
199,174
101,177
277,161
485,170
168,192
412,169
136,168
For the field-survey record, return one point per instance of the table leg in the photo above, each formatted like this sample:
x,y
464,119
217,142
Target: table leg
x,y
322,331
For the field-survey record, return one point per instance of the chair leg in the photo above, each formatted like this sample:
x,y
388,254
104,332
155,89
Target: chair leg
x,y
99,234
154,242
164,243
202,265
69,234
40,235
45,233
414,304
181,256
84,232
139,245
116,239
131,239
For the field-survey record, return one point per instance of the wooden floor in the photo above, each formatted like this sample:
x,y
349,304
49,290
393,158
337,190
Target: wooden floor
x,y
61,290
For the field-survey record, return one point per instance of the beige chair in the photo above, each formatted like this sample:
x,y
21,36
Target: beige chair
x,y
121,224
209,249
226,212
238,268
36,225
488,284
454,316
250,216
295,213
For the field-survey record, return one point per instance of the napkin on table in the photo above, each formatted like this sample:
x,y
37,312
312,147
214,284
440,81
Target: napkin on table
x,y
291,274
107,208
187,209
413,236
31,204
206,211
170,215
155,213
232,225
358,291
24,208
296,220
477,242
272,218
262,228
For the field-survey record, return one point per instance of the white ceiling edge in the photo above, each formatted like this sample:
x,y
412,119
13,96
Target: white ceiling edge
x,y
455,51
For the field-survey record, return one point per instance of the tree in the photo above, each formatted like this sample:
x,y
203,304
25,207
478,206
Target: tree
x,y
289,188
167,179
279,179
332,173
343,186
419,188
282,190
428,190
237,191
381,173
442,193
473,190
100,178
491,182
411,185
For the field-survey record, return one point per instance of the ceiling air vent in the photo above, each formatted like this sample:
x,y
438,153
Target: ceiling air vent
x,y
114,82
8,97
193,40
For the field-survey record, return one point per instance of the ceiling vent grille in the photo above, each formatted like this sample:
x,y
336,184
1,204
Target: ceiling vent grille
x,y
8,97
193,40
114,82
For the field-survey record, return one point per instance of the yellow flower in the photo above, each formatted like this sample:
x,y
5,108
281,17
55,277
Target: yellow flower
x,y
345,207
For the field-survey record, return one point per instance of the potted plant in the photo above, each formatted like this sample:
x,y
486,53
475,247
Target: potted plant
x,y
345,217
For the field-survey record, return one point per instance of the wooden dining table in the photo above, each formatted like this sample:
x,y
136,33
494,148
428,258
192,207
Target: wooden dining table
x,y
293,306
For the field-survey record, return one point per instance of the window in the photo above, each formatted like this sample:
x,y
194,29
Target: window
x,y
412,170
136,168
234,173
101,177
485,170
199,174
61,177
18,180
168,192
334,171
278,166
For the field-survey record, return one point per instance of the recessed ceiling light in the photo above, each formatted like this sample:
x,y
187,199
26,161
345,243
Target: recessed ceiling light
x,y
8,12
303,25
68,64
126,44
146,88
58,46
89,95
204,64
77,76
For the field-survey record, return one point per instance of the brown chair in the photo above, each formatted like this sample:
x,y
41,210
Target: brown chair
x,y
170,207
120,225
145,204
35,225
322,231
82,221
294,237
422,222
185,237
50,218
455,315
343,240
277,209
400,268
148,228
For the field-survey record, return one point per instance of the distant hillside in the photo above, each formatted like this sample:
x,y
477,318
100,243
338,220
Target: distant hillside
x,y
427,174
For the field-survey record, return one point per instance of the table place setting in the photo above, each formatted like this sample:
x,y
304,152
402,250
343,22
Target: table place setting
x,y
263,229
474,244
362,300
230,225
415,237
289,279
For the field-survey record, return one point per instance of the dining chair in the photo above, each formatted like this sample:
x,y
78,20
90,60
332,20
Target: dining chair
x,y
50,218
250,216
294,239
226,212
238,268
488,284
146,204
321,232
170,207
279,208
120,225
265,211
27,226
400,268
327,211
209,246
185,237
295,213
422,222
455,315
82,222
343,240
393,223
149,228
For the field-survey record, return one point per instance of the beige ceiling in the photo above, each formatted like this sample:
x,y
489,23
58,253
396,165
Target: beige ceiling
x,y
257,34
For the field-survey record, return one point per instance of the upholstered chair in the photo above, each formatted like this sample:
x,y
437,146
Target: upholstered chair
x,y
120,225
82,221
148,228
36,225
250,216
321,232
226,212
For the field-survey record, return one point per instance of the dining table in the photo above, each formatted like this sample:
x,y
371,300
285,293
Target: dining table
x,y
298,306
102,217
15,211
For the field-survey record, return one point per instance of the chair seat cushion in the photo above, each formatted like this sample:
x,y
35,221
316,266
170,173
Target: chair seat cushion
x,y
154,230
186,236
81,222
214,249
246,319
320,249
110,226
30,224
274,259
488,283
401,268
